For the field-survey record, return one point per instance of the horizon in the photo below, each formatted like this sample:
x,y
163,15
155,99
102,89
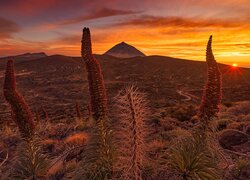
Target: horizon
x,y
237,65
177,29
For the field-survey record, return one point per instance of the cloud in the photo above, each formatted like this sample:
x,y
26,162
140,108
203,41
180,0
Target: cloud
x,y
155,21
100,13
104,12
7,28
46,7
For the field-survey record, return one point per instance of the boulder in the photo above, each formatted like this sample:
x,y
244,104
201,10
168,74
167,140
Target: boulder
x,y
230,137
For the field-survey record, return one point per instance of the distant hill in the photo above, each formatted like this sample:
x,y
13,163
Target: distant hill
x,y
26,56
56,82
124,50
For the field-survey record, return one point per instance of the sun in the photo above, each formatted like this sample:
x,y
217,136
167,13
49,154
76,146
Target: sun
x,y
235,65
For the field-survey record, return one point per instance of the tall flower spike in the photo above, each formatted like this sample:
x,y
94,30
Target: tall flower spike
x,y
212,92
130,130
10,79
20,110
96,84
99,166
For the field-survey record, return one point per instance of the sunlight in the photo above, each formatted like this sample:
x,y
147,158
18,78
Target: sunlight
x,y
235,65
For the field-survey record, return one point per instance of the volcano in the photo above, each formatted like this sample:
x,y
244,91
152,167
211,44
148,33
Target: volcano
x,y
124,50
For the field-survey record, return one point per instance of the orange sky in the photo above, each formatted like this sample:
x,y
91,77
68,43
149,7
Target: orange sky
x,y
177,28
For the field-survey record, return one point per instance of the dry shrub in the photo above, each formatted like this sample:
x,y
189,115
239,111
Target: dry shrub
x,y
236,125
49,145
57,171
240,108
177,134
76,139
182,112
222,124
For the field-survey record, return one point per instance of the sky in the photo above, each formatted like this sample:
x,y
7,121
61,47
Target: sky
x,y
176,28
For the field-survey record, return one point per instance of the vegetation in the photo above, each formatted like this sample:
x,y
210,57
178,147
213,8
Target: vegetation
x,y
21,113
29,163
212,93
192,159
99,153
182,112
131,140
130,132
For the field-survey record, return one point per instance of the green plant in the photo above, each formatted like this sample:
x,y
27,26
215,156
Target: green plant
x,y
191,158
30,163
130,131
212,92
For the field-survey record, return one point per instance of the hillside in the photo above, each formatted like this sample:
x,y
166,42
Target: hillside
x,y
25,57
56,82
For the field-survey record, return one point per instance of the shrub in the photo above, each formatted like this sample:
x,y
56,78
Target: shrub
x,y
222,124
240,108
191,158
182,112
30,163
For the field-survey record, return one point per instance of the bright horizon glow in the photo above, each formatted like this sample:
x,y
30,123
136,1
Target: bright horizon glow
x,y
235,65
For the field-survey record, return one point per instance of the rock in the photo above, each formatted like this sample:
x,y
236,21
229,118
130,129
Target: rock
x,y
230,137
243,148
248,130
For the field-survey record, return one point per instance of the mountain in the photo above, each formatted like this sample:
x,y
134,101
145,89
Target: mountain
x,y
124,50
26,56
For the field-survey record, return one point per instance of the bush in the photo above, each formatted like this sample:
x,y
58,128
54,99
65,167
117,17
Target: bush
x,y
182,112
191,158
222,124
240,108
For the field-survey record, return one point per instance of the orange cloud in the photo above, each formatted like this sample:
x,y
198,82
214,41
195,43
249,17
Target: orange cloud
x,y
154,21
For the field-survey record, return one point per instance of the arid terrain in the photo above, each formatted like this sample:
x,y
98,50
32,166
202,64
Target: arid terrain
x,y
56,89
56,82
